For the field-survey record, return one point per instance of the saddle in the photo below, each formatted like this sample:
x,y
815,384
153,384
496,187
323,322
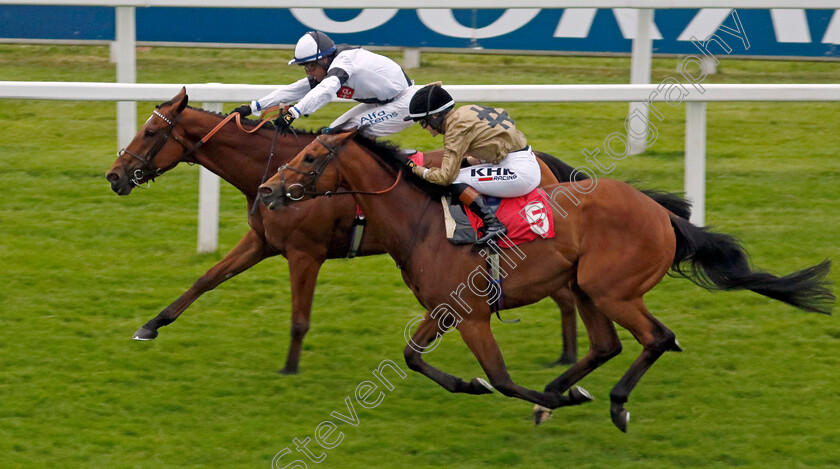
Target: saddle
x,y
527,218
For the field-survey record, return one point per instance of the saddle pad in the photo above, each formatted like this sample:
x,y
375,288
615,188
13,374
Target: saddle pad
x,y
527,218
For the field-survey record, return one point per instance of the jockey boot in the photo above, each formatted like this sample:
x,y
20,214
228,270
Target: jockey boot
x,y
470,197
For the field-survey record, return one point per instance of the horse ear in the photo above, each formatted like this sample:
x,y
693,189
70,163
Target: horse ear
x,y
344,136
184,99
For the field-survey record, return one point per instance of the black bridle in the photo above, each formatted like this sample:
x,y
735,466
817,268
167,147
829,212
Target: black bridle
x,y
147,168
316,174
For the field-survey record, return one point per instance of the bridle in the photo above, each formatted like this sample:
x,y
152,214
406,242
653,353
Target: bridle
x,y
316,174
147,169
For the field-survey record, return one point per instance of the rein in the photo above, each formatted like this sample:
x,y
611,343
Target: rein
x,y
146,169
318,172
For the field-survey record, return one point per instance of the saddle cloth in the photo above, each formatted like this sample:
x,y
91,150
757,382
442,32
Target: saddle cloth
x,y
527,218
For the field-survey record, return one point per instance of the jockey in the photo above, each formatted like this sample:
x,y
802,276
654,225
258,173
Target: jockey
x,y
377,82
504,165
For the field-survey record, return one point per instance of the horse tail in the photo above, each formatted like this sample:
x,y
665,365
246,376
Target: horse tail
x,y
563,172
716,261
671,201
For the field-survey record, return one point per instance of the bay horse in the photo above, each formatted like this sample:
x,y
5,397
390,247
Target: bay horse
x,y
613,247
305,236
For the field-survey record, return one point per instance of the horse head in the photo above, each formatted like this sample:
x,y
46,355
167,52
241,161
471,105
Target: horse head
x,y
153,151
310,174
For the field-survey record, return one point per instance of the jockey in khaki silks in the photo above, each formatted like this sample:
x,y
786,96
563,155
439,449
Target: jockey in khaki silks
x,y
378,83
506,165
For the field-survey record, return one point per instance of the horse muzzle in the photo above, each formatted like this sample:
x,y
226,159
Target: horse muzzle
x,y
119,184
277,197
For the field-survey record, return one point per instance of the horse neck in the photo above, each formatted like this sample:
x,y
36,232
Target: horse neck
x,y
399,212
238,157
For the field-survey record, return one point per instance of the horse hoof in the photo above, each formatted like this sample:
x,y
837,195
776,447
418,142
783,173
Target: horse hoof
x,y
676,347
288,371
541,414
483,383
145,334
578,395
621,418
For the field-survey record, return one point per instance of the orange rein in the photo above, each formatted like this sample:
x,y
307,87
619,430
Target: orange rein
x,y
238,124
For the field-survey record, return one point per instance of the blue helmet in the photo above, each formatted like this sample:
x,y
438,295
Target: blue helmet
x,y
312,46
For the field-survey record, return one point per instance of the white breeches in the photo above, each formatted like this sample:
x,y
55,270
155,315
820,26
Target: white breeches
x,y
518,174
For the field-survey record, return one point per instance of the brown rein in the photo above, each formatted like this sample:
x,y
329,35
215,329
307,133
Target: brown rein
x,y
334,151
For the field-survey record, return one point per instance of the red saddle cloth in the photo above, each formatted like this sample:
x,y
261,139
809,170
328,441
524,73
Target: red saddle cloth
x,y
527,218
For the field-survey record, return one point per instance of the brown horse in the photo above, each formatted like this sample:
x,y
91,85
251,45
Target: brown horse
x,y
306,236
613,247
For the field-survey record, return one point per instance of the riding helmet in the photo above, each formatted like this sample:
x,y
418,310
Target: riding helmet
x,y
312,46
428,100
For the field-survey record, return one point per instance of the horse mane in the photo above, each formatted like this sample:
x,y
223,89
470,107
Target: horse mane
x,y
392,155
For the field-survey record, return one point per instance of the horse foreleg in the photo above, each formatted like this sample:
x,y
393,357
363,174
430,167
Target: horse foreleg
x,y
478,337
249,251
566,302
303,274
428,332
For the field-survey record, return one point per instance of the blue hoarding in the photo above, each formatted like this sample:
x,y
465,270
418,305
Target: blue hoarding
x,y
789,32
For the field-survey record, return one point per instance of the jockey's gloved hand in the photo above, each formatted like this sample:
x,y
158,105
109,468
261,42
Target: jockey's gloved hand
x,y
411,164
244,110
285,120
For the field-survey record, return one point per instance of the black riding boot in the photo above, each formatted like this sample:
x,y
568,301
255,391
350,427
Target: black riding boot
x,y
470,197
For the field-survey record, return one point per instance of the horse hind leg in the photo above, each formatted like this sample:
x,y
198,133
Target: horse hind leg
x,y
603,345
655,338
566,302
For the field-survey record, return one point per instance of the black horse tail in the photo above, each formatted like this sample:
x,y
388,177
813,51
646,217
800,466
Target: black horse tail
x,y
716,261
671,201
563,173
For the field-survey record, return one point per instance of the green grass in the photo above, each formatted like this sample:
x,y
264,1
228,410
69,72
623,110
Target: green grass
x,y
756,387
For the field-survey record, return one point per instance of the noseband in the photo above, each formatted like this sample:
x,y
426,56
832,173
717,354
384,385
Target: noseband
x,y
317,173
314,174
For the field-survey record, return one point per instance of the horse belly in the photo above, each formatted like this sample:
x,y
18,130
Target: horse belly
x,y
536,276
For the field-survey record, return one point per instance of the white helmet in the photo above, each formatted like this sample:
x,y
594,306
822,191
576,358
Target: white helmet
x,y
313,46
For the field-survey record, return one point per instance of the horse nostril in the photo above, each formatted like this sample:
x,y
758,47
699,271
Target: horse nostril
x,y
265,191
112,177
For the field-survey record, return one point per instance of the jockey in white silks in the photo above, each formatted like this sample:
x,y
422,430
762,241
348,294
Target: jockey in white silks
x,y
378,83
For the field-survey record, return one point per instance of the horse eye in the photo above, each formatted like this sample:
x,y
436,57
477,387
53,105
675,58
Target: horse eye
x,y
308,158
151,132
